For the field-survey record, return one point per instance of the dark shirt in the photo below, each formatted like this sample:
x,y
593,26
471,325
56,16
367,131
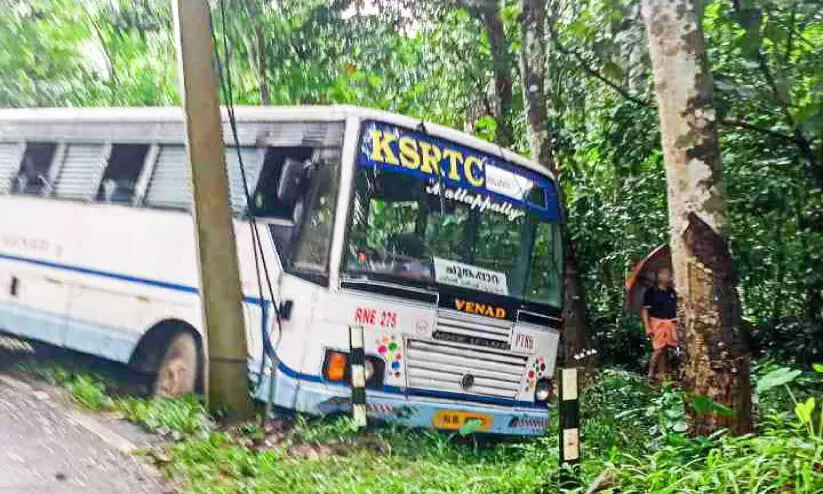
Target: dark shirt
x,y
662,304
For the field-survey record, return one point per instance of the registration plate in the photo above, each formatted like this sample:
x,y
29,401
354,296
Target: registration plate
x,y
455,419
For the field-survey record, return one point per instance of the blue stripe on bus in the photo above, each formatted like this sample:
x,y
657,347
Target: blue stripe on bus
x,y
281,366
117,276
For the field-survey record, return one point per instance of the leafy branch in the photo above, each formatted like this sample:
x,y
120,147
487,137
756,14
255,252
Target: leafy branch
x,y
781,98
783,376
580,61
584,66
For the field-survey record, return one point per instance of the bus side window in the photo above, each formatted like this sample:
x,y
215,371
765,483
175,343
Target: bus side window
x,y
266,204
33,176
120,178
310,253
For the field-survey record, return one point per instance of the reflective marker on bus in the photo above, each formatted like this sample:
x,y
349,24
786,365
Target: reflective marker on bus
x,y
445,249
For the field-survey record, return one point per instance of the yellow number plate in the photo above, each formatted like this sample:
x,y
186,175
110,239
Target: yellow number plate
x,y
454,419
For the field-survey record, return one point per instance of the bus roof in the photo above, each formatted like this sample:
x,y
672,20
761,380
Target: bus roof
x,y
136,115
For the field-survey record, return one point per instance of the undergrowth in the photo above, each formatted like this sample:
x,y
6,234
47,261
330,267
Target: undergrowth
x,y
177,418
627,427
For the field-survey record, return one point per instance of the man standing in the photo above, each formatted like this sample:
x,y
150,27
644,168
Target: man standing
x,y
659,315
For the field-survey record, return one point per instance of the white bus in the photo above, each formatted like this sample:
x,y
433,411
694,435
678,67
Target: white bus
x,y
456,276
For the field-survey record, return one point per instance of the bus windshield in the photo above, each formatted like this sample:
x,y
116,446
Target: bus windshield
x,y
480,223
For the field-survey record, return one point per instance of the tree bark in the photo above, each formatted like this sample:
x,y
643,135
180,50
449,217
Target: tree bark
x,y
812,281
575,317
715,342
260,42
488,12
533,71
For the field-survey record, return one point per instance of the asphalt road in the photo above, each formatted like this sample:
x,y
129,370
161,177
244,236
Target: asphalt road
x,y
49,446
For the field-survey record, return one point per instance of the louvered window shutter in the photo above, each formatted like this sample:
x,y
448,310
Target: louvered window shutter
x,y
80,171
252,163
170,185
10,155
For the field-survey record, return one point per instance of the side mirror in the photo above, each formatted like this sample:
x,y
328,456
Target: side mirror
x,y
292,178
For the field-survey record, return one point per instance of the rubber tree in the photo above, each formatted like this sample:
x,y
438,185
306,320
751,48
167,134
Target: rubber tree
x,y
533,68
715,343
488,13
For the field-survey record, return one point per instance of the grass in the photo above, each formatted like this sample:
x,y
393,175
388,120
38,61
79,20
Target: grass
x,y
627,427
777,461
177,418
409,462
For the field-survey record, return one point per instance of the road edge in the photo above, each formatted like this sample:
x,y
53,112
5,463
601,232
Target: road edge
x,y
82,419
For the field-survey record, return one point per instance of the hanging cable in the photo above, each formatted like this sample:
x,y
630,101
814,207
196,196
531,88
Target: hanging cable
x,y
257,245
441,187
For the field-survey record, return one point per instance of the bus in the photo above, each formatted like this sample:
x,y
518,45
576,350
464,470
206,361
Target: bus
x,y
444,248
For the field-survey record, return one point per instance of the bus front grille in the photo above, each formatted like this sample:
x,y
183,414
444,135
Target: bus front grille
x,y
461,369
456,327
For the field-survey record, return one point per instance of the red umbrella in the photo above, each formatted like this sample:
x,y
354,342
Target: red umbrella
x,y
643,276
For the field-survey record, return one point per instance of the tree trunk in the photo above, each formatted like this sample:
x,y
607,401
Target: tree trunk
x,y
715,342
812,280
260,42
502,64
575,317
533,70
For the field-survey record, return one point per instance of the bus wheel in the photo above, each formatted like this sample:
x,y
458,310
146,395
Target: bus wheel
x,y
177,372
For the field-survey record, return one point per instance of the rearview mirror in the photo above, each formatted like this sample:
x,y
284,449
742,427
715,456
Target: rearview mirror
x,y
292,180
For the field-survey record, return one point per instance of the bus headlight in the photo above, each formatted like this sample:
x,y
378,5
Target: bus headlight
x,y
336,368
369,370
543,390
375,371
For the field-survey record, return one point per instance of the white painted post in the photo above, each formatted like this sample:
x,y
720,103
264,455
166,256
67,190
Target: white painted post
x,y
569,429
357,370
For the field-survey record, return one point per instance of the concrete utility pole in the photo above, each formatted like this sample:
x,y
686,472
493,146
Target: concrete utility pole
x,y
220,291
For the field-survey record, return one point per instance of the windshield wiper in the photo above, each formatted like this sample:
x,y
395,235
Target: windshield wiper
x,y
442,192
390,289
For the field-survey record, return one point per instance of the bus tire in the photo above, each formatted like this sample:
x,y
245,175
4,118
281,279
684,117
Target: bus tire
x,y
177,371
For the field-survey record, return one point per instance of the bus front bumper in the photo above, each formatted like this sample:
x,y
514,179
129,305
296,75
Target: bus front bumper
x,y
322,398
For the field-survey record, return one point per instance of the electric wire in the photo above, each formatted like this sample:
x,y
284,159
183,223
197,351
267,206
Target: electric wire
x,y
224,76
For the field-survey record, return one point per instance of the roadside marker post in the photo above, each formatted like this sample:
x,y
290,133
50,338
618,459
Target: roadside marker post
x,y
357,371
569,429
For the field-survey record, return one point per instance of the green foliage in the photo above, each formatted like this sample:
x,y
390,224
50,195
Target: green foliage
x,y
316,430
174,417
64,53
773,462
609,150
778,377
803,409
88,391
639,442
412,462
486,128
432,60
669,407
627,426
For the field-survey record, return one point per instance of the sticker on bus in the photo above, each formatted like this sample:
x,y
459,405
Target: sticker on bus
x,y
455,419
468,276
